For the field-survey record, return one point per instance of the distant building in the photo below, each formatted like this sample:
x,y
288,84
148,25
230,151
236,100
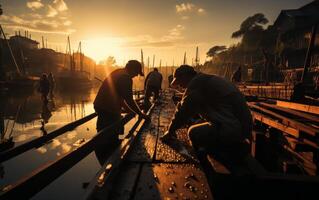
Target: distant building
x,y
23,42
294,27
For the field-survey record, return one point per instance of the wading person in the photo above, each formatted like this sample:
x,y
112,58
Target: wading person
x,y
52,84
44,88
228,122
152,85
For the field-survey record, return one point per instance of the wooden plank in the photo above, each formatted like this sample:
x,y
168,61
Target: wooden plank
x,y
124,185
293,112
273,123
298,106
44,175
287,121
99,187
6,155
172,181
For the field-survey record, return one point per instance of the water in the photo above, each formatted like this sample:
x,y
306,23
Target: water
x,y
25,117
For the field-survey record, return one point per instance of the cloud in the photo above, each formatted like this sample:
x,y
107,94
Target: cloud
x,y
174,34
201,11
36,24
67,23
60,5
34,5
184,7
52,12
56,7
54,20
173,37
188,8
185,17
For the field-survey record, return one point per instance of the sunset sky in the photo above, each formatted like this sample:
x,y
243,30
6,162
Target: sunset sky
x,y
120,28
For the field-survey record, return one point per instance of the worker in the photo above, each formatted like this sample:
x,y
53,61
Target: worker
x,y
115,94
44,88
152,85
228,121
236,77
52,84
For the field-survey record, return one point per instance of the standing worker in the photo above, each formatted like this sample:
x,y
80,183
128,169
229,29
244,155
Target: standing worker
x,y
44,87
153,84
228,123
52,84
236,77
116,93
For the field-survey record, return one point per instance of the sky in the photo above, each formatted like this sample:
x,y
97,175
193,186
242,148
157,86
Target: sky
x,y
121,28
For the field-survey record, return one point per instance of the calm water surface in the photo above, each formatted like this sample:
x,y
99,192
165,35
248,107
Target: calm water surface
x,y
25,117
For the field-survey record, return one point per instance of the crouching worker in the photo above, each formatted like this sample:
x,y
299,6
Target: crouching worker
x,y
228,122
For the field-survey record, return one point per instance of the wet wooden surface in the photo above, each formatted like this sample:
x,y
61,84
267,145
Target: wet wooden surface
x,y
154,170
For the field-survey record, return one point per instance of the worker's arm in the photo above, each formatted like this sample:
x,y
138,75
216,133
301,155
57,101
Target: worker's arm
x,y
126,92
131,103
187,108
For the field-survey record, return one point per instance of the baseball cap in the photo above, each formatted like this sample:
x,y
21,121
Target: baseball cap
x,y
180,72
135,66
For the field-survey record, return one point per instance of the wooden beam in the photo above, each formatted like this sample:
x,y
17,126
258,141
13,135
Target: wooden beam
x,y
43,176
298,106
293,112
287,121
6,155
100,184
275,124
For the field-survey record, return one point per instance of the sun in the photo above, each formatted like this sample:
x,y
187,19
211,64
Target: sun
x,y
100,48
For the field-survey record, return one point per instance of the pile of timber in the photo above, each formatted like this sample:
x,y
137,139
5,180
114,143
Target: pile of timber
x,y
297,126
273,90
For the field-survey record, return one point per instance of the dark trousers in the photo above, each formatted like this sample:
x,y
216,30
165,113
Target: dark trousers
x,y
106,147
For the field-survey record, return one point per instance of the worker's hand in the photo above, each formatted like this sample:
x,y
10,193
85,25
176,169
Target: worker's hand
x,y
168,136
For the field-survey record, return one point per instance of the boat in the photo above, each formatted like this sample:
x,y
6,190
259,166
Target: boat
x,y
71,79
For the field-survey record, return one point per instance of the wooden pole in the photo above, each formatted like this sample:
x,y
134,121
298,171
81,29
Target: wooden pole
x,y
309,53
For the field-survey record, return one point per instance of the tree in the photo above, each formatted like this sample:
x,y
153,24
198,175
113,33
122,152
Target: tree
x,y
109,62
215,50
252,23
252,32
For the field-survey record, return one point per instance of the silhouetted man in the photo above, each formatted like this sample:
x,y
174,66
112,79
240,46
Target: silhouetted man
x,y
44,87
153,84
116,93
228,120
236,77
52,84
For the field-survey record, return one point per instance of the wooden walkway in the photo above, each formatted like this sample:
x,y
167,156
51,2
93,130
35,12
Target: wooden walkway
x,y
151,169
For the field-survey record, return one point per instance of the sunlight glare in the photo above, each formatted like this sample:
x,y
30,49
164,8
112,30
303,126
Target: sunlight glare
x,y
100,48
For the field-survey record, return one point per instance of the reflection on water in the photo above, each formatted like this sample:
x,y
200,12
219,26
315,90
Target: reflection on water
x,y
26,117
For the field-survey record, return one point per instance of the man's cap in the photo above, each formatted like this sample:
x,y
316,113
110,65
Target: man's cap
x,y
181,71
135,66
